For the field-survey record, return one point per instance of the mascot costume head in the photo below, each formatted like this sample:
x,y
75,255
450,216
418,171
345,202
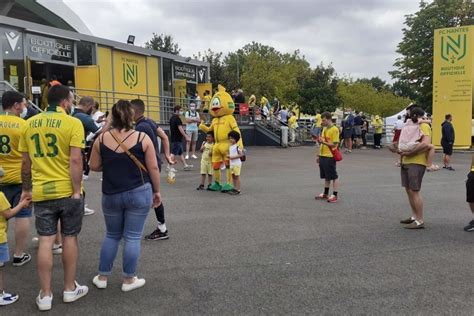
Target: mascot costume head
x,y
221,108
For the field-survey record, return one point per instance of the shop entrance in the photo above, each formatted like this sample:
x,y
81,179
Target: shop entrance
x,y
41,73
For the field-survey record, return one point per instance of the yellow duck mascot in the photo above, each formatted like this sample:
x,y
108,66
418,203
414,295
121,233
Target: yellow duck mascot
x,y
221,109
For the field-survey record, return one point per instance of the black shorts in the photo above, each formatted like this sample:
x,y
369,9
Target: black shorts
x,y
412,176
327,168
470,187
447,148
177,148
69,211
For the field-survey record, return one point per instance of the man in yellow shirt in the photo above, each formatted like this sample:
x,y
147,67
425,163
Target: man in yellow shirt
x,y
413,168
11,125
377,123
51,144
470,195
327,164
292,125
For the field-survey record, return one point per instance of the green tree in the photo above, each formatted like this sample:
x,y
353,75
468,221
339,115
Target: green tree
x,y
319,91
363,97
377,83
163,43
415,66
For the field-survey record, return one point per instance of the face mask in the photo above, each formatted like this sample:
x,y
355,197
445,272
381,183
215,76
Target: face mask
x,y
24,112
192,109
181,112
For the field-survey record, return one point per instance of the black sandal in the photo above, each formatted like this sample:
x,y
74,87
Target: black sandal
x,y
200,187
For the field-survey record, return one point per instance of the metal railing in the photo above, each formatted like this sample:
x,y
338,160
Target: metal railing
x,y
6,86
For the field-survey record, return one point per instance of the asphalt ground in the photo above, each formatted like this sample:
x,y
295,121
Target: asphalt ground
x,y
275,250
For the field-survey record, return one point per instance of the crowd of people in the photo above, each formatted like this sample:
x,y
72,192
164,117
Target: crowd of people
x,y
56,149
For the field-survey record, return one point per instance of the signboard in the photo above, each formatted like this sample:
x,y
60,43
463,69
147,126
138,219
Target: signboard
x,y
49,49
129,73
12,44
183,71
453,82
202,74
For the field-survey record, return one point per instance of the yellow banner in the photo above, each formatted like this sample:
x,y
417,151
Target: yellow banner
x,y
453,82
129,74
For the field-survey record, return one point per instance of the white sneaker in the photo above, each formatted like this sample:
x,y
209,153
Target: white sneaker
x,y
44,304
186,157
137,283
7,298
88,211
85,177
194,157
100,284
71,296
57,249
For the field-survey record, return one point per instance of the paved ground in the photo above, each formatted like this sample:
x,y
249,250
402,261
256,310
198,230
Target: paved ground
x,y
275,250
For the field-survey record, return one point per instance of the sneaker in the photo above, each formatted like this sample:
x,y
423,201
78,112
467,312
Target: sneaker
x,y
194,157
7,298
332,199
200,187
44,304
234,192
79,291
85,177
322,196
137,283
186,157
23,259
415,225
88,211
157,234
450,168
188,167
57,249
470,227
100,284
409,220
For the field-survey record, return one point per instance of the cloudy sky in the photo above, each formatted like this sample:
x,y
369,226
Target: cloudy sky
x,y
358,36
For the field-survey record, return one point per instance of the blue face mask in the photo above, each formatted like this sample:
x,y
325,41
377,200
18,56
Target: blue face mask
x,y
24,112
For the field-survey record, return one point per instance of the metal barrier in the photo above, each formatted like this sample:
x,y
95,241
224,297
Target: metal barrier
x,y
6,86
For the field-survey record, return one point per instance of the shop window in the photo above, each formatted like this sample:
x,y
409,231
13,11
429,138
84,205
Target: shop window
x,y
85,52
167,75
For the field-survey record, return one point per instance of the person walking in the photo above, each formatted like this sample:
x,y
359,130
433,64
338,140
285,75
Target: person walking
x,y
447,141
413,168
149,127
328,142
52,145
348,132
14,109
377,123
177,134
358,122
127,198
292,125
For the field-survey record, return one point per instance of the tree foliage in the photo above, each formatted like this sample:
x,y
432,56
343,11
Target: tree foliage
x,y
319,91
415,66
163,43
364,97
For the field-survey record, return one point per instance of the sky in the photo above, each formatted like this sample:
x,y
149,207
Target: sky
x,y
359,37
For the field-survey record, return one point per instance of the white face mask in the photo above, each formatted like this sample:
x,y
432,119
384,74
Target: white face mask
x,y
180,112
192,108
24,112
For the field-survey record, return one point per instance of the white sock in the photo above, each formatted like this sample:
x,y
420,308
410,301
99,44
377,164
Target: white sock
x,y
162,227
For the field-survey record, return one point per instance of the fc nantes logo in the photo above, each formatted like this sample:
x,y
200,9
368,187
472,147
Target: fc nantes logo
x,y
130,75
453,47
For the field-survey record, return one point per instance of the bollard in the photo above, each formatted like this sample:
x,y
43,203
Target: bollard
x,y
284,136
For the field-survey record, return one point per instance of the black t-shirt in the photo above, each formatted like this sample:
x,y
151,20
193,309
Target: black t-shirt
x,y
358,121
149,127
176,135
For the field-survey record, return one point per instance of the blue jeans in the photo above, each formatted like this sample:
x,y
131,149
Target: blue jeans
x,y
125,214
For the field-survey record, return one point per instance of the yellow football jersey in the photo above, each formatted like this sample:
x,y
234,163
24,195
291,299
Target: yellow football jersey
x,y
47,137
10,158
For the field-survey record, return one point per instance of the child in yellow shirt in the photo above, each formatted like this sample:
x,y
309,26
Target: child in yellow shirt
x,y
206,164
6,212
